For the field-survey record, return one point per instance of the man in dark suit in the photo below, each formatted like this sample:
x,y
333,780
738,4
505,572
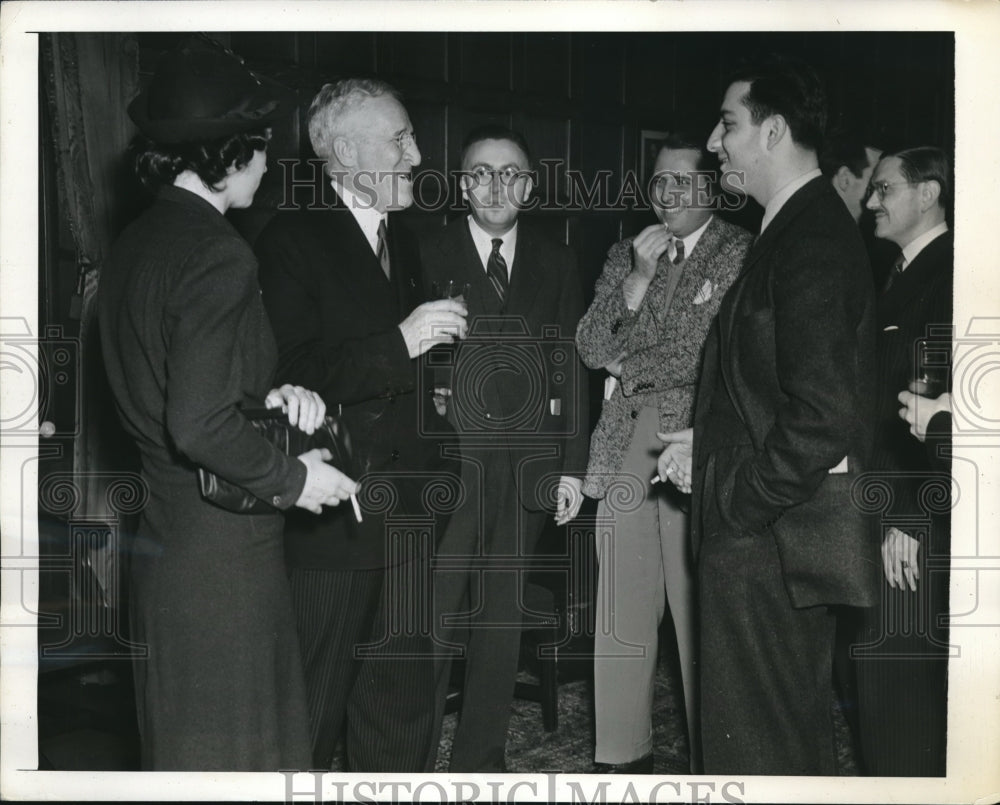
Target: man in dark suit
x,y
342,286
848,163
515,395
902,661
782,430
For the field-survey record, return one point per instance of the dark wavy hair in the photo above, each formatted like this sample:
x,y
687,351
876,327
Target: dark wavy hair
x,y
158,164
843,149
781,85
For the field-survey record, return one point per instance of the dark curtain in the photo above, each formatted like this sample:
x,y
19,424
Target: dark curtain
x,y
89,79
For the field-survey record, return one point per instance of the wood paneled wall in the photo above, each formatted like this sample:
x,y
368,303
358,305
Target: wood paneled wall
x,y
583,98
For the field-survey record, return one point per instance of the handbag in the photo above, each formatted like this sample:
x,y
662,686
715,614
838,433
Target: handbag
x,y
273,425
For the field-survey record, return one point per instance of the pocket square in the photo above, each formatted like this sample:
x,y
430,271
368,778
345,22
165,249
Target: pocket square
x,y
889,327
704,293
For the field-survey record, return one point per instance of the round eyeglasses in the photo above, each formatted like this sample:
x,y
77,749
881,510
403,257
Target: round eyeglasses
x,y
882,188
507,176
404,140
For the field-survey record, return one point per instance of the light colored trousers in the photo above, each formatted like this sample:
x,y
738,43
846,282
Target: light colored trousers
x,y
644,556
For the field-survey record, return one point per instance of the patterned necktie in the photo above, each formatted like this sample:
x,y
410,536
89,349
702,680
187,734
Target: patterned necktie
x,y
496,270
382,248
894,272
675,250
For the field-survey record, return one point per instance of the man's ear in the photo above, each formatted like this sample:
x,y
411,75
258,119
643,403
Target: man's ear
x,y
529,185
774,129
842,178
464,183
345,151
930,193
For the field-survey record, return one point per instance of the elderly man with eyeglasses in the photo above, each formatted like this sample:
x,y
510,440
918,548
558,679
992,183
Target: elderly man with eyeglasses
x,y
342,285
902,659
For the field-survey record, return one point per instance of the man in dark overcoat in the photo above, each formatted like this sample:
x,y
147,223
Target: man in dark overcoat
x,y
782,430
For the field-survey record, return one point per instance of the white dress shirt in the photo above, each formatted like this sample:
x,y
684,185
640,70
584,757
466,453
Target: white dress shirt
x,y
691,240
915,246
364,213
483,241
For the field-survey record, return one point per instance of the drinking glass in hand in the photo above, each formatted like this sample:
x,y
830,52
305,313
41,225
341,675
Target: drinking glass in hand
x,y
450,289
932,368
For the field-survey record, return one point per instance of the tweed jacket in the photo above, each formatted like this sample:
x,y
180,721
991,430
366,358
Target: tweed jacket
x,y
663,346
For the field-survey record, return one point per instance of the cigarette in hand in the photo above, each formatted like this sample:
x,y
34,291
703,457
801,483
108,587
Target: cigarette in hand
x,y
656,478
357,508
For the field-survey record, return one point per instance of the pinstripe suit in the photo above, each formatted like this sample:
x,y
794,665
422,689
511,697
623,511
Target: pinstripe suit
x,y
335,317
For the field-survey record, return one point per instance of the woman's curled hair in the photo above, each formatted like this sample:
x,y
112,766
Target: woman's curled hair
x,y
158,164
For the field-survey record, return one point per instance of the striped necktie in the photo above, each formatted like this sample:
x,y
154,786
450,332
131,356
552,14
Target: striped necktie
x,y
675,250
496,270
894,272
382,248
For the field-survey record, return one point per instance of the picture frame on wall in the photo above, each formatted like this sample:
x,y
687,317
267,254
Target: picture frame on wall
x,y
650,141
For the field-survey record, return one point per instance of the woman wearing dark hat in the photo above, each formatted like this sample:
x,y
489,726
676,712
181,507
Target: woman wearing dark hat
x,y
186,342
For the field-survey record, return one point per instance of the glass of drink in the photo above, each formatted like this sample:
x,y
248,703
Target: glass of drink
x,y
933,364
450,289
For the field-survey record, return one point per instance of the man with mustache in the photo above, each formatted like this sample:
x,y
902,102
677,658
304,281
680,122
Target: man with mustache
x,y
902,664
342,285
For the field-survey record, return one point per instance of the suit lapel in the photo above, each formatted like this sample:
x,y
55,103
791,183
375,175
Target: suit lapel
x,y
764,242
340,231
914,279
525,277
762,246
700,267
404,282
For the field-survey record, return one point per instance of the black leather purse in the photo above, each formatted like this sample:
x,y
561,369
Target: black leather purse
x,y
272,424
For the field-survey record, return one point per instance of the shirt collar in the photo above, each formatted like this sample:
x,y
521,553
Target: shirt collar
x,y
691,240
483,241
915,246
364,213
778,199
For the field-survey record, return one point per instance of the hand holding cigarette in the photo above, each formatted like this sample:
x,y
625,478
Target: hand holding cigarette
x,y
674,462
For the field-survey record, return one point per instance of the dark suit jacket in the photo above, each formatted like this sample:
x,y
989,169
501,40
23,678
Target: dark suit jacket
x,y
335,317
516,380
786,395
918,298
186,343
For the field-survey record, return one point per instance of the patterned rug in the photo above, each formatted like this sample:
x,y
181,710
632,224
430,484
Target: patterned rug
x,y
570,748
